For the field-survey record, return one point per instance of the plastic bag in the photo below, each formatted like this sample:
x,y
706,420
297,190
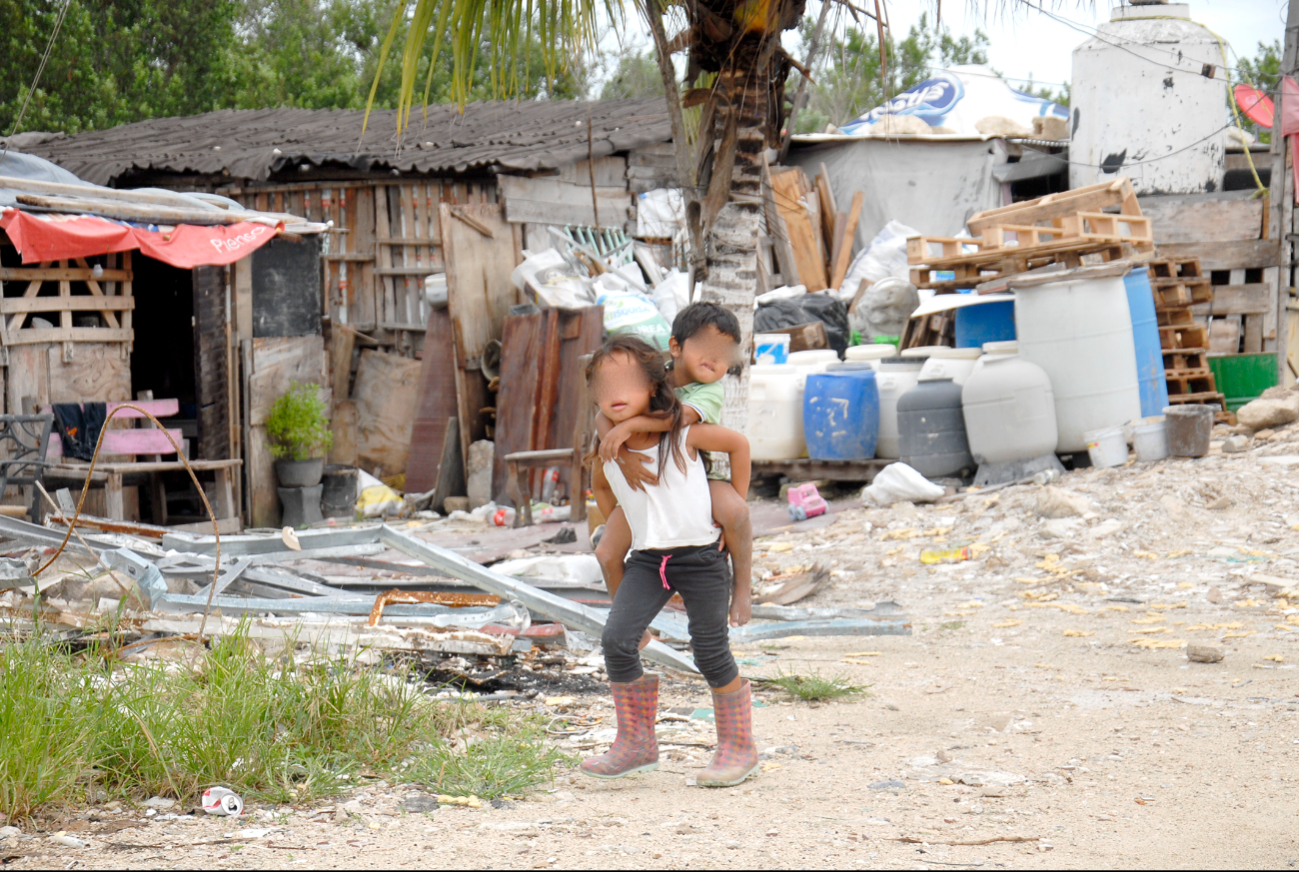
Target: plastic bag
x,y
885,308
672,294
805,309
885,256
374,498
637,315
549,280
660,214
897,483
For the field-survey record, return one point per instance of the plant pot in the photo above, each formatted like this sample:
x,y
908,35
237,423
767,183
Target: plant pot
x,y
300,473
300,505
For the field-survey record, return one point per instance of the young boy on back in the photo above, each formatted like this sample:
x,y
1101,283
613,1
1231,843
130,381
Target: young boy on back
x,y
705,344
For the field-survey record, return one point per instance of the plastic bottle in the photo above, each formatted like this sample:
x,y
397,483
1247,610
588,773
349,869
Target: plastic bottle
x,y
501,518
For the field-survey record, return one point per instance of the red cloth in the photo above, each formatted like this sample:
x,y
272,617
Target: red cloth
x,y
43,238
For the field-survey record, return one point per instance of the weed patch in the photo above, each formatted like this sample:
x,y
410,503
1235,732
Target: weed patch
x,y
270,729
815,687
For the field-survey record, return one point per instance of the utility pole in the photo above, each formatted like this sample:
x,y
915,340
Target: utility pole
x,y
1281,197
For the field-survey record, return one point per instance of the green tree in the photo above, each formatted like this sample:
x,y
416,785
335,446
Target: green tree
x,y
636,75
1263,71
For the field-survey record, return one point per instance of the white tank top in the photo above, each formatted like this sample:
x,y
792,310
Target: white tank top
x,y
676,513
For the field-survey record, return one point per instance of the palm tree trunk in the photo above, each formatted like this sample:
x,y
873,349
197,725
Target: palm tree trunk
x,y
732,237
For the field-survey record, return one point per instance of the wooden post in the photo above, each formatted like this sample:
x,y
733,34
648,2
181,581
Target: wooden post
x,y
1281,195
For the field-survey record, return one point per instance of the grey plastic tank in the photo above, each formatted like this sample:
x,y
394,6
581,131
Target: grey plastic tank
x,y
931,427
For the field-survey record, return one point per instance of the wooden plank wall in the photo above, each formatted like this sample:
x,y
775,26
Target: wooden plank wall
x,y
212,362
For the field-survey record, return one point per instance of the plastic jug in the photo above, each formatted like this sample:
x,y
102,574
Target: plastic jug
x,y
931,428
775,412
897,375
1009,408
869,353
955,364
841,415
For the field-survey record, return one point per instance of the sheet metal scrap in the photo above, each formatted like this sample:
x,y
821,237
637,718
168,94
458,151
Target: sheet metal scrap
x,y
453,600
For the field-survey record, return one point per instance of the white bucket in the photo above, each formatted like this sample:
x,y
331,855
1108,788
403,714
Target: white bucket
x,y
771,348
1107,447
1149,438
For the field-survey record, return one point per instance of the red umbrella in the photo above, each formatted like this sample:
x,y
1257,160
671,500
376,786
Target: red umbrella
x,y
1256,105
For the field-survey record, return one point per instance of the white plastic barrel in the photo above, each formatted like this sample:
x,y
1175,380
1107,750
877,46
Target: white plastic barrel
x,y
1009,409
1080,332
776,412
955,364
896,376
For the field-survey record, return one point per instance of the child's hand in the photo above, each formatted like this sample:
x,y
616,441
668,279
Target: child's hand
x,y
613,442
741,606
633,469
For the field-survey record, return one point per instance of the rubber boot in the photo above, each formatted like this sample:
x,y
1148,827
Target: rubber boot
x,y
736,758
636,749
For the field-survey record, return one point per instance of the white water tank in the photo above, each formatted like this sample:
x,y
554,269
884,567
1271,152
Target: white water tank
x,y
776,412
1009,409
1079,331
1142,105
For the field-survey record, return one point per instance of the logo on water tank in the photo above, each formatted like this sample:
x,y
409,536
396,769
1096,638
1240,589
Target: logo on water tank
x,y
930,101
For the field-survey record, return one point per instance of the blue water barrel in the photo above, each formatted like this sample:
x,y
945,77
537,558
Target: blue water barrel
x,y
985,322
1145,336
841,415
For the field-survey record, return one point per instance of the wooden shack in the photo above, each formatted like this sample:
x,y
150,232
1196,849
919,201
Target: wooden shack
x,y
459,192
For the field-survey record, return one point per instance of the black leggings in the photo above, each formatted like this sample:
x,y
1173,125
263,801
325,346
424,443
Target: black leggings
x,y
703,578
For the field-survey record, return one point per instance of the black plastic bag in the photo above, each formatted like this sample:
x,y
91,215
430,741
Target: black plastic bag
x,y
831,312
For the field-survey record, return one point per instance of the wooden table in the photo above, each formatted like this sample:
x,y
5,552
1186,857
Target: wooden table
x,y
114,476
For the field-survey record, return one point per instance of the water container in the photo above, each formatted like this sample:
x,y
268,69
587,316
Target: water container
x,y
932,429
775,412
954,364
897,375
1145,339
872,353
1080,332
1149,438
813,361
771,348
1009,409
986,322
841,415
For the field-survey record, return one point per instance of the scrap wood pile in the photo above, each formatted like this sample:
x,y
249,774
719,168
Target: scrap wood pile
x,y
813,238
1070,228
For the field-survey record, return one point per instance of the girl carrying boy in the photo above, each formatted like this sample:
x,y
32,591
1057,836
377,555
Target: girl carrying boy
x,y
674,550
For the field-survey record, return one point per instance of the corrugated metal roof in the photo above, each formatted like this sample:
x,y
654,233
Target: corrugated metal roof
x,y
255,143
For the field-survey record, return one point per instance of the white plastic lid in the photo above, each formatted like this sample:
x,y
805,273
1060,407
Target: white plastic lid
x,y
813,356
870,352
923,351
771,338
1011,347
940,369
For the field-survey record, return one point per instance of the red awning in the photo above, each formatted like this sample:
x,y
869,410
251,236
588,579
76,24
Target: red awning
x,y
50,237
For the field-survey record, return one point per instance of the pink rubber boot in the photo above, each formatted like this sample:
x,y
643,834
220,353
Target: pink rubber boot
x,y
736,758
636,749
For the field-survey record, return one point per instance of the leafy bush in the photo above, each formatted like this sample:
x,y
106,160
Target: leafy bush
x,y
298,426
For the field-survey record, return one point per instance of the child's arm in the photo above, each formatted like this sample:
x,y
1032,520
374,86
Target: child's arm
x,y
631,464
612,440
711,437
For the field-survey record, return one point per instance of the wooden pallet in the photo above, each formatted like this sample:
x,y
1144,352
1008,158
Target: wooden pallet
x,y
1183,359
1101,225
938,328
1181,268
1178,317
1184,336
1222,416
993,265
1190,384
1198,290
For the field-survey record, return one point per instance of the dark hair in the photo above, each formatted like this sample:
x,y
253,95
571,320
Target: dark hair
x,y
663,401
697,316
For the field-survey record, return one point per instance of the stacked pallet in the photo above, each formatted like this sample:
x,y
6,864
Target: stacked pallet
x,y
1178,285
1069,228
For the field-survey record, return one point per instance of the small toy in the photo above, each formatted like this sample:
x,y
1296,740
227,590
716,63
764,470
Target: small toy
x,y
806,502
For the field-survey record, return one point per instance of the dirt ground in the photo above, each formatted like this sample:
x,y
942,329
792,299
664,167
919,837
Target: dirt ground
x,y
1043,713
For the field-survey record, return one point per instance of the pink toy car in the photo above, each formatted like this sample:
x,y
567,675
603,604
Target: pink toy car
x,y
806,502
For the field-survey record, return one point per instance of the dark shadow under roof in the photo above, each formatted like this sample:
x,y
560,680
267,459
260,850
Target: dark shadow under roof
x,y
254,144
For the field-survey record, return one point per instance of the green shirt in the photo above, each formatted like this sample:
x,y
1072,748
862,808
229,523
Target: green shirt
x,y
707,400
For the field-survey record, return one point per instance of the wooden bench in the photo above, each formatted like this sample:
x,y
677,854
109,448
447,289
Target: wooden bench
x,y
151,443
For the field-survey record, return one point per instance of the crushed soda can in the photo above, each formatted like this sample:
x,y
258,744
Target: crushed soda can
x,y
222,801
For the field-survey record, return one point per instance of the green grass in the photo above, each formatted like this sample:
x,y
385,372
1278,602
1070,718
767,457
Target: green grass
x,y
815,687
269,729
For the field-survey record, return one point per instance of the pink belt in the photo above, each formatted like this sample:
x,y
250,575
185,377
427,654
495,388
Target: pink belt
x,y
663,571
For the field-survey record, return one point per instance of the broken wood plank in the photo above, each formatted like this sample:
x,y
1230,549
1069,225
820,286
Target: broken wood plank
x,y
844,258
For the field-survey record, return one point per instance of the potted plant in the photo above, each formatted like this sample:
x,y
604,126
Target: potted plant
x,y
299,432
